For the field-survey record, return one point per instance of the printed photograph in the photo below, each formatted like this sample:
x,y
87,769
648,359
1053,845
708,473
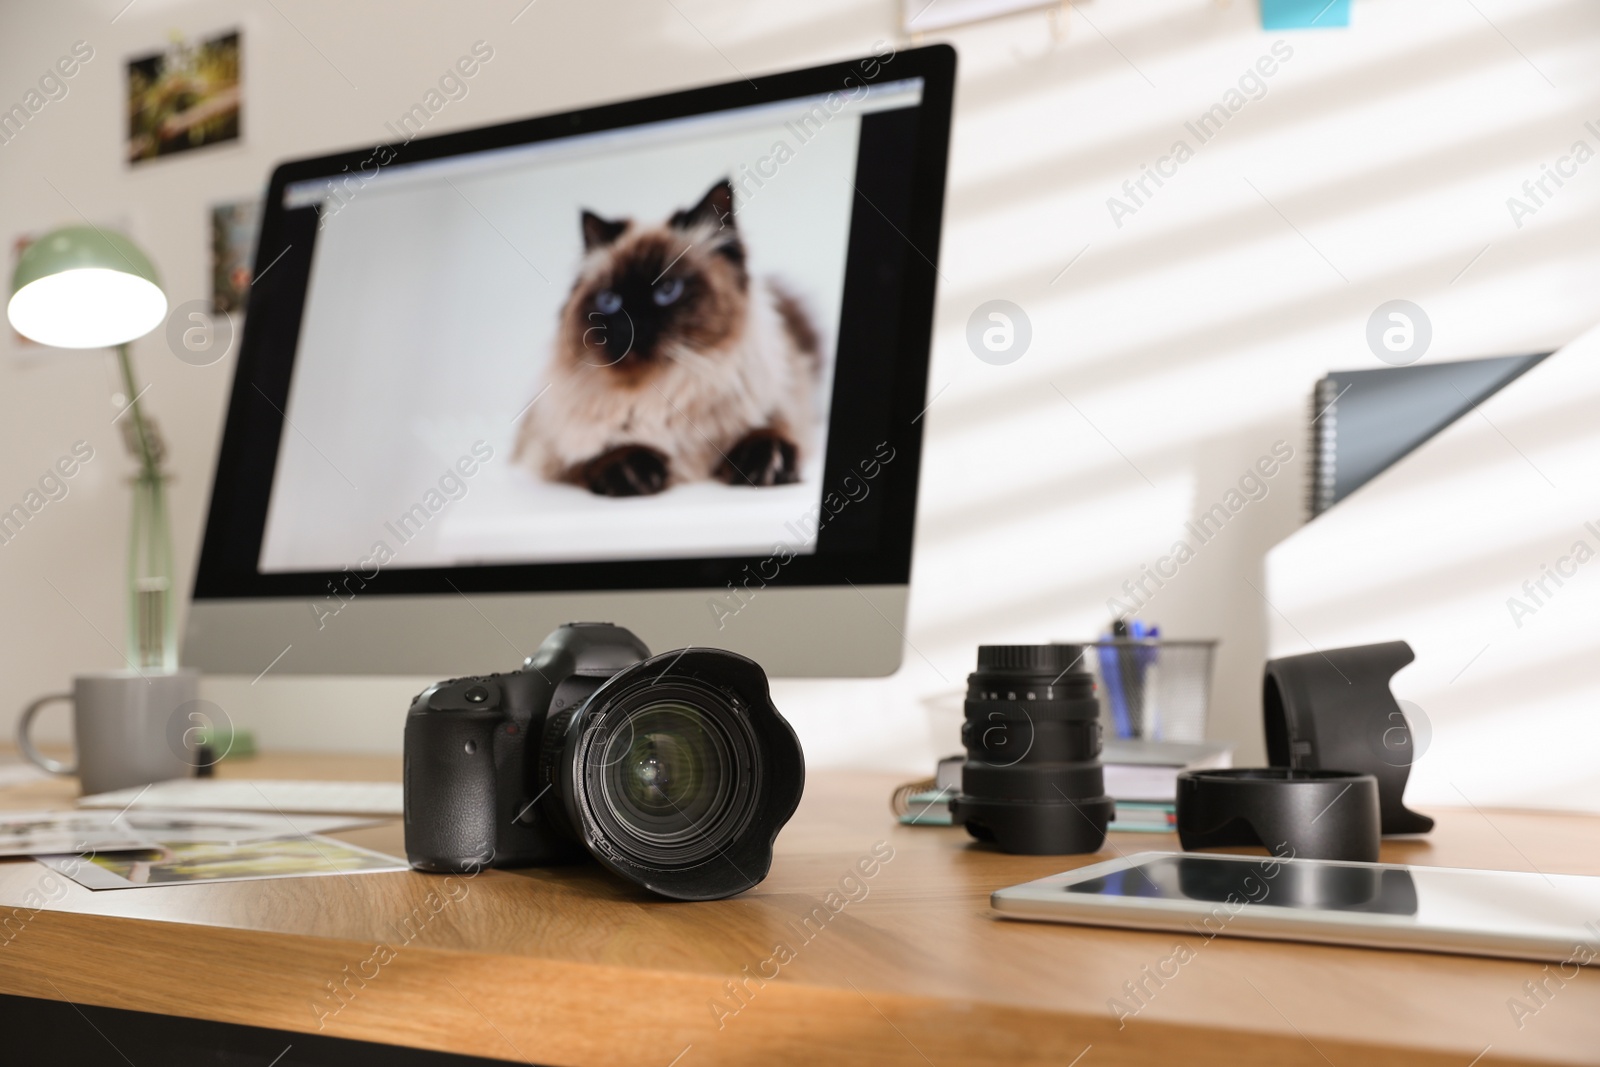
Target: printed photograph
x,y
233,250
180,861
29,833
34,833
185,97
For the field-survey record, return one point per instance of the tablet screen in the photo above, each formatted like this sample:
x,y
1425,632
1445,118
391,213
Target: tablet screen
x,y
1515,913
1271,882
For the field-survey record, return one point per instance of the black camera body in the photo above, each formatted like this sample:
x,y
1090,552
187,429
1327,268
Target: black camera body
x,y
675,772
473,787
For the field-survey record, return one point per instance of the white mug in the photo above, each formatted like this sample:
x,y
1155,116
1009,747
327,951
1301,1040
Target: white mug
x,y
128,728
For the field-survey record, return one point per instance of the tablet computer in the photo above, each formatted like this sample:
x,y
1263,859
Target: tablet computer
x,y
1554,917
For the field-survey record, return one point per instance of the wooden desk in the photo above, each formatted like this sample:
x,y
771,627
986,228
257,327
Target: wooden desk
x,y
571,966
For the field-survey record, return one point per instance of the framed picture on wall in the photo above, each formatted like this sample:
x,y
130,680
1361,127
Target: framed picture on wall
x,y
233,249
185,97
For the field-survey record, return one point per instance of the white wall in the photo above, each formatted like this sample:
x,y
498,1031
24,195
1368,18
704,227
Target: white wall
x,y
1165,361
1479,549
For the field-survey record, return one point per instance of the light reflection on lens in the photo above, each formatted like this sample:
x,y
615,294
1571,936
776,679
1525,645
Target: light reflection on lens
x,y
669,775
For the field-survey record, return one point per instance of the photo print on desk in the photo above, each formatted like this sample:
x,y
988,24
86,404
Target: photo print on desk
x,y
183,861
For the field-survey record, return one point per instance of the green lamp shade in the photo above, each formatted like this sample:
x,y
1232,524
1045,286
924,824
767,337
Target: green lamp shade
x,y
80,287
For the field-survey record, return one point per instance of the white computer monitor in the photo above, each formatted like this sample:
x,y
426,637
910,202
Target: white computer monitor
x,y
660,362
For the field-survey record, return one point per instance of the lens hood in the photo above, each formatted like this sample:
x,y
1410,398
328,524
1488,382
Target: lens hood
x,y
1327,815
679,772
1334,709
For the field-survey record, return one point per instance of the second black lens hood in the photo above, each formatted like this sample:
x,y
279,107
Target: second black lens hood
x,y
1333,710
1325,815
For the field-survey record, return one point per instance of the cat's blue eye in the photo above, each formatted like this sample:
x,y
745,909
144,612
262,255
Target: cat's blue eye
x,y
607,302
668,291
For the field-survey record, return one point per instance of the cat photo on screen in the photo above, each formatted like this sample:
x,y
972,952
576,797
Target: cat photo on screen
x,y
673,363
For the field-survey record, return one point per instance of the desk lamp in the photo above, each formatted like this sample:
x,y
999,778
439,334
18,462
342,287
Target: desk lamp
x,y
84,287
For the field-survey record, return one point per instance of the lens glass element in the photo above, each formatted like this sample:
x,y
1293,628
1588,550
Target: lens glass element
x,y
669,774
677,772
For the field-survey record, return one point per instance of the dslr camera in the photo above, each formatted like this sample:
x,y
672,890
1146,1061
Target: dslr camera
x,y
675,772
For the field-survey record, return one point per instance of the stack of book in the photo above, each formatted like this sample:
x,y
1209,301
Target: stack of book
x,y
1143,778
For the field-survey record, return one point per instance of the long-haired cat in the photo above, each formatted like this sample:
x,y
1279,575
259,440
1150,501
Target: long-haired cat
x,y
673,364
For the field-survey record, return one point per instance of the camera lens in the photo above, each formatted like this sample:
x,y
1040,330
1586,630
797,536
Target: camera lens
x,y
678,772
671,782
1032,782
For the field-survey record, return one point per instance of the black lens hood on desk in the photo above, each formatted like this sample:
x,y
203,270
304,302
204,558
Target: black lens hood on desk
x,y
1333,710
1327,815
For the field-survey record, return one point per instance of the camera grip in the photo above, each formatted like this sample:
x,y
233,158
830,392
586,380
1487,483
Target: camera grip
x,y
450,788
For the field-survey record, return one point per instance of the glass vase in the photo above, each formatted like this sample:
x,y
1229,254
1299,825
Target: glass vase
x,y
152,619
152,622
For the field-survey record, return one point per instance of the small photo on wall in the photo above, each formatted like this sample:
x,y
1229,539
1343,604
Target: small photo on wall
x,y
233,250
184,98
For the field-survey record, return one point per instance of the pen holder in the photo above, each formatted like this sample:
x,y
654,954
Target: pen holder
x,y
1152,689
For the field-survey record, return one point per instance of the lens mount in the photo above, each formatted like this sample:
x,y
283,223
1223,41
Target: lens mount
x,y
678,773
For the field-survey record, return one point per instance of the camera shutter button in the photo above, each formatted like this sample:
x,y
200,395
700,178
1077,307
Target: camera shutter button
x,y
476,695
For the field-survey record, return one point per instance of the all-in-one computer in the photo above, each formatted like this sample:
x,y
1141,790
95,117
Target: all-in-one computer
x,y
659,362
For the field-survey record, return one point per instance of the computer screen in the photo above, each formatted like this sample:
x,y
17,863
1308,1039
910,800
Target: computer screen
x,y
673,348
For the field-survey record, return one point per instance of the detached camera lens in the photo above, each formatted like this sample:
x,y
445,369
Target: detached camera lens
x,y
678,774
1032,781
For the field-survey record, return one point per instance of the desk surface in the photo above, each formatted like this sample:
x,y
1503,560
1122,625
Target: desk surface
x,y
571,966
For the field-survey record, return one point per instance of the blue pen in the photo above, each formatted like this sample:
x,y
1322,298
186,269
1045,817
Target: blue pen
x,y
1144,657
1111,675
